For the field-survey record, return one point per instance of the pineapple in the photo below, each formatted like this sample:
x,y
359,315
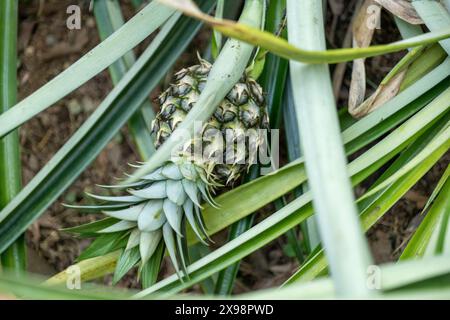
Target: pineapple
x,y
239,115
158,205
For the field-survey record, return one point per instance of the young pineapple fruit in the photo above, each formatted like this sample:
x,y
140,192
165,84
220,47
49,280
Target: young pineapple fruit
x,y
158,205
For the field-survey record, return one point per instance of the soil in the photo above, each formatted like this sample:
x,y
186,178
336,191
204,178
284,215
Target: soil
x,y
47,47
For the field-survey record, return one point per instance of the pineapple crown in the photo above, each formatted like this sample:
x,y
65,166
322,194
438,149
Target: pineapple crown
x,y
155,208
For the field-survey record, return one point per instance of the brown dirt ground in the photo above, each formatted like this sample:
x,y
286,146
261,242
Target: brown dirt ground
x,y
47,47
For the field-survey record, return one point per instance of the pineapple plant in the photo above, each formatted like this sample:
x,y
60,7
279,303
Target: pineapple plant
x,y
157,206
401,132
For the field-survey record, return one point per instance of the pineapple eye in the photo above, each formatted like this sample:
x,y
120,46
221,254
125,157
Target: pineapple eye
x,y
249,114
239,94
186,105
167,110
184,88
256,92
163,97
188,102
229,116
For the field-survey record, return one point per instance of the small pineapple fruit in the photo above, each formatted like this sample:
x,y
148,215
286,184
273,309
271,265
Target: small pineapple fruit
x,y
156,206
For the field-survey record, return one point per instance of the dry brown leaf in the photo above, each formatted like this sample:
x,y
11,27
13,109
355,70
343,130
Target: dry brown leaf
x,y
402,9
363,29
384,93
339,70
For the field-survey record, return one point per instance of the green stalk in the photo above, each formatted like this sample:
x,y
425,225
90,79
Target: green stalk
x,y
324,155
14,257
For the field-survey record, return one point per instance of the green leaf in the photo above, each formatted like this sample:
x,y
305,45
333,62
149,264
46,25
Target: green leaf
x,y
319,131
132,33
441,141
435,16
10,163
31,287
419,242
127,260
109,19
273,78
226,278
217,36
437,189
149,273
404,280
104,244
89,269
92,227
296,212
70,161
273,81
371,211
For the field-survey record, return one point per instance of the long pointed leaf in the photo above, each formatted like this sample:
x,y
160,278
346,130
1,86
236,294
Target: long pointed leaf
x,y
95,61
95,133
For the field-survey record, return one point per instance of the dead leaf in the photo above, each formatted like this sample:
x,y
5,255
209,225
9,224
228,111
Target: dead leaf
x,y
384,93
363,29
402,9
339,71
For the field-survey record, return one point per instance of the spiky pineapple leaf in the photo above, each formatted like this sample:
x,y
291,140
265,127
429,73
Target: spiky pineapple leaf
x,y
127,260
149,272
104,244
92,227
